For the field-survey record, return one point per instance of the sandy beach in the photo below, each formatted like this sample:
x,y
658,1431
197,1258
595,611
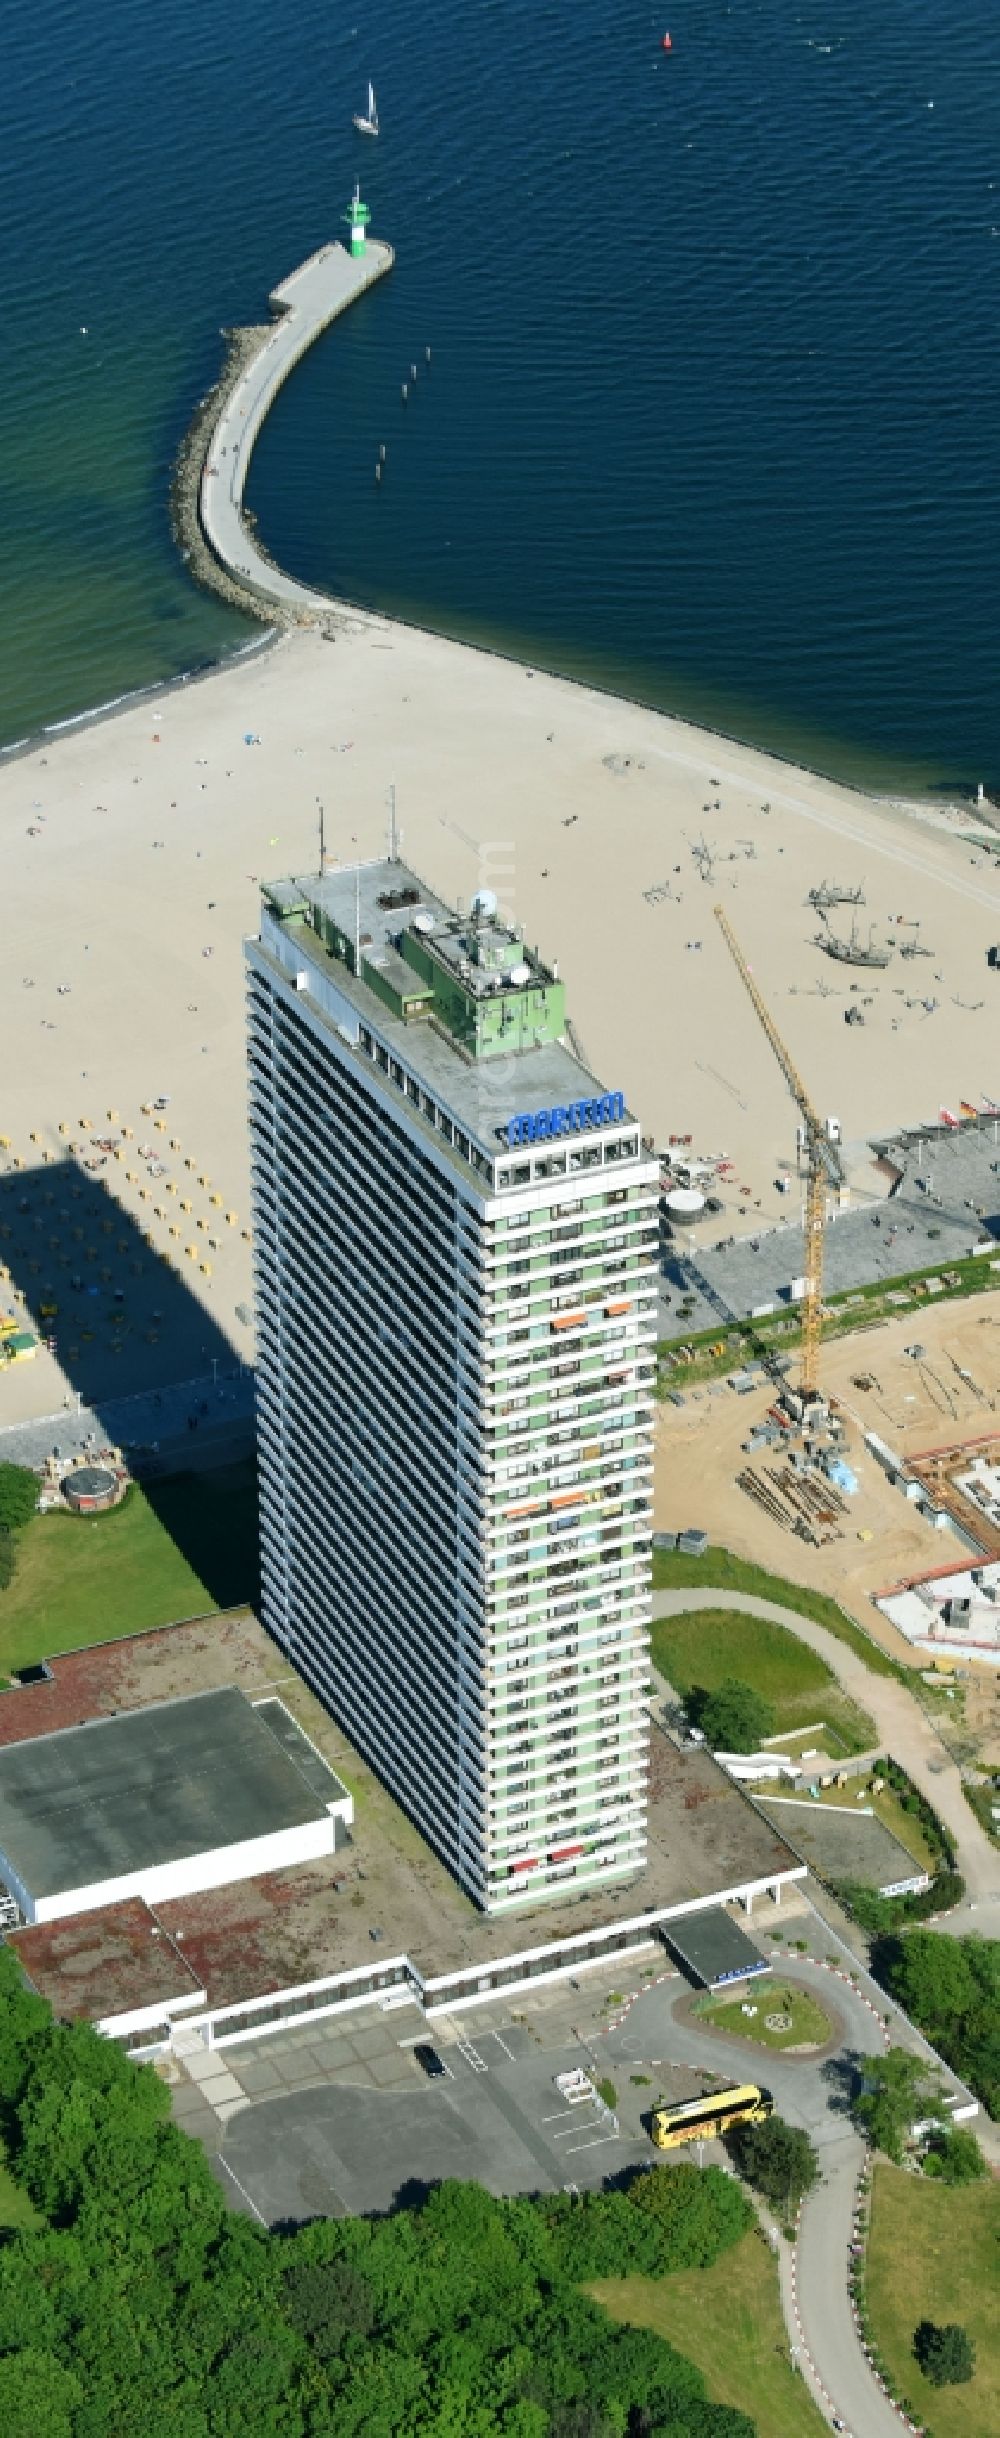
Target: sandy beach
x,y
130,855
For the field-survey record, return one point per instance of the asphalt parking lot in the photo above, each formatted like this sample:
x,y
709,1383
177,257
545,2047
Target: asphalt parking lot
x,y
494,2115
338,2118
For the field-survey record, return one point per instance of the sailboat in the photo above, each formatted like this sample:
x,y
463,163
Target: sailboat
x,y
369,125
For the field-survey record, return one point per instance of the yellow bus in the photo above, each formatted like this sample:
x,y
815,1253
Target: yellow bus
x,y
701,2120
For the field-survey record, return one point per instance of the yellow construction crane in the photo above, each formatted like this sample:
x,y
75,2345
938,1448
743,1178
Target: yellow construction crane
x,y
823,1169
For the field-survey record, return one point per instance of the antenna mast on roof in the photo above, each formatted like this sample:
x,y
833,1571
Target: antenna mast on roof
x,y
357,921
322,839
393,831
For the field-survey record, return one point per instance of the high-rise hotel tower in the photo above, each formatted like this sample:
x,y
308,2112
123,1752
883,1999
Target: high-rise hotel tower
x,y
455,1254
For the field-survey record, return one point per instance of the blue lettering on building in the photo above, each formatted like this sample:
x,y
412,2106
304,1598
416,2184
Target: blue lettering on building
x,y
543,1125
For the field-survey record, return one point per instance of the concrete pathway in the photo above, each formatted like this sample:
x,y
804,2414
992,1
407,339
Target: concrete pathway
x,y
904,1728
307,303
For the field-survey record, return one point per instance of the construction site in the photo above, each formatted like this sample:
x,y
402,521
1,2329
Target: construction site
x,y
759,1485
838,1446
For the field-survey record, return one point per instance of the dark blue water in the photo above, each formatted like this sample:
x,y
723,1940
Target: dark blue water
x,y
713,402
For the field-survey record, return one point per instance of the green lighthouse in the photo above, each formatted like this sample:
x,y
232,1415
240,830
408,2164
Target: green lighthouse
x,y
357,220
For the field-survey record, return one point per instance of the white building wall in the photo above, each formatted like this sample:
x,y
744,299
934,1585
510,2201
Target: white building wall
x,y
210,1870
426,1346
146,2018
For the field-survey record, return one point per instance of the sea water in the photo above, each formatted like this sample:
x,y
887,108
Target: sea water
x,y
711,409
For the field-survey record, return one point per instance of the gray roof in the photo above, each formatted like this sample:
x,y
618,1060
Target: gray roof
x,y
126,1794
713,1948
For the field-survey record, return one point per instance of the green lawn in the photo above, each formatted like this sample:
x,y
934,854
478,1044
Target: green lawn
x,y
704,1646
935,2254
719,1570
904,1825
175,1549
727,2319
808,2021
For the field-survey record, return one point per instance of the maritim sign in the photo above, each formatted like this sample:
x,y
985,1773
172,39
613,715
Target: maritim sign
x,y
542,1125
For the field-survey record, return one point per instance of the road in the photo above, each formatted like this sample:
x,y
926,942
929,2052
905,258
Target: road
x,y
903,1726
814,2094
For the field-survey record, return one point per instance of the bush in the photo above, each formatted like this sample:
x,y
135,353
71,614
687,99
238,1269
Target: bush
x,y
18,1496
673,2217
732,1719
880,1914
899,2090
946,2355
955,2157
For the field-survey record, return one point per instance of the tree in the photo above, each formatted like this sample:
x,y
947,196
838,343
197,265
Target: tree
x,y
18,1496
955,2157
777,2159
900,2089
327,2302
951,1987
37,2394
697,2211
947,2356
931,1978
734,1718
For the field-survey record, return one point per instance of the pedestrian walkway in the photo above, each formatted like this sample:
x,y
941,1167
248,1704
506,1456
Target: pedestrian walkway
x,y
307,302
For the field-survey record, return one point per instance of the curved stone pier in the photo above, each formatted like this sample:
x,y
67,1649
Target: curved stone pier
x,y
215,463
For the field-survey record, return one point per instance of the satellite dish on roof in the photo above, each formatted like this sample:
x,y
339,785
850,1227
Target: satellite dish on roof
x,y
484,905
423,922
519,974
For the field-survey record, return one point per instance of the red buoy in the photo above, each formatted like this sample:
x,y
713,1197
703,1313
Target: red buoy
x,y
666,44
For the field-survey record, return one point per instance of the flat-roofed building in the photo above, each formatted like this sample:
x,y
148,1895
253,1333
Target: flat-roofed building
x,y
160,1802
455,1244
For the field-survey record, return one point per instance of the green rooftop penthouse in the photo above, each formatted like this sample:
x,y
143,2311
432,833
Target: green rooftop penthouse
x,y
470,974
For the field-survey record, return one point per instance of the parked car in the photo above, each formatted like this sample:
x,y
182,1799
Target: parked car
x,y
428,2058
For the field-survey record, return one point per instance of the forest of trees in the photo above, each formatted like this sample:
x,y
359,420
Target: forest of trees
x,y
141,2307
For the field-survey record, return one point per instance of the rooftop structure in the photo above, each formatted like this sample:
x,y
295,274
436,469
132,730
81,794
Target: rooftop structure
x,y
455,1255
458,997
183,1795
713,1949
954,1613
843,1841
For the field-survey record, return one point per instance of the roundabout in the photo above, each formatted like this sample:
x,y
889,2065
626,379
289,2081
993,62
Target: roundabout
x,y
782,2015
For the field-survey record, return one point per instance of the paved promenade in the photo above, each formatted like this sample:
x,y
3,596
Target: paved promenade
x,y
160,1421
306,304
